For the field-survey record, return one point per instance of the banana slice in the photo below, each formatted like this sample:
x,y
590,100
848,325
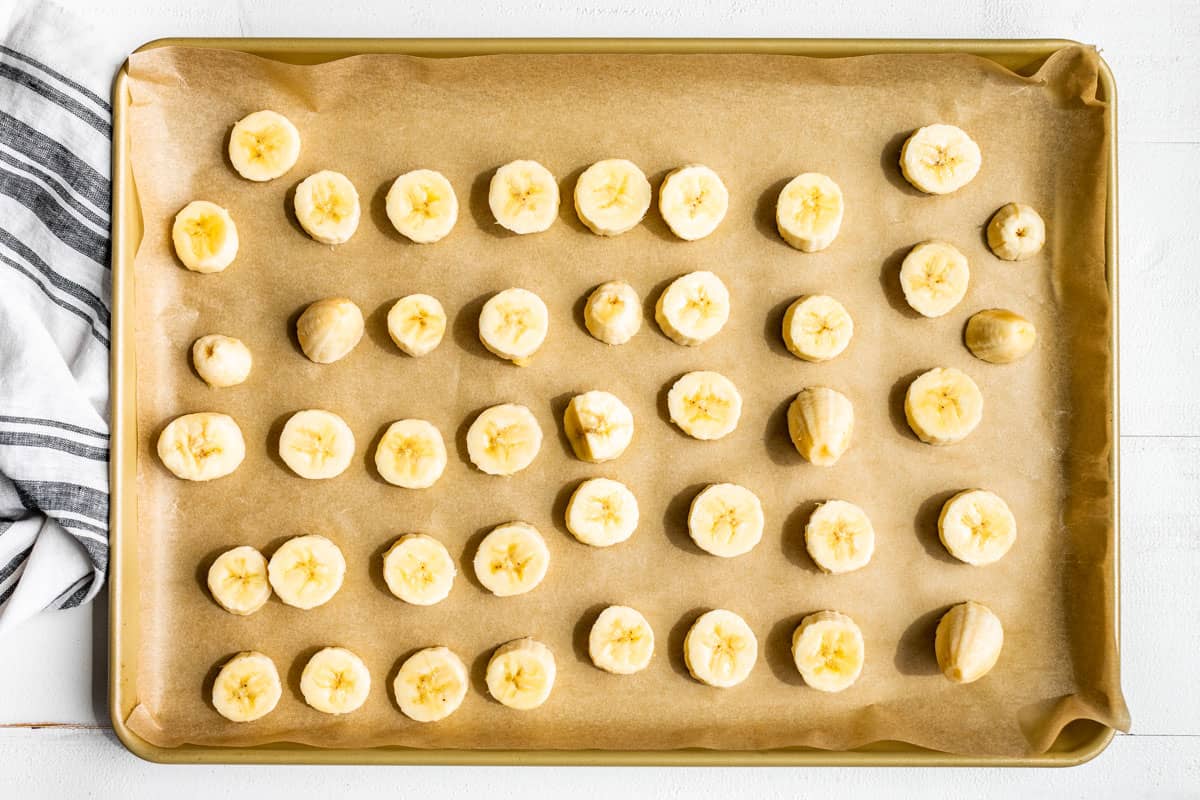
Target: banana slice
x,y
316,444
263,146
693,309
839,537
1016,232
238,581
201,447
419,570
977,527
523,197
726,520
431,684
705,405
335,681
599,426
329,329
613,313
205,238
422,206
934,277
820,424
612,196
939,159
968,642
307,571
513,324
512,559
809,212
817,328
521,674
829,651
327,207
247,687
720,649
504,439
621,641
693,201
999,336
411,454
602,512
943,406
417,324
221,360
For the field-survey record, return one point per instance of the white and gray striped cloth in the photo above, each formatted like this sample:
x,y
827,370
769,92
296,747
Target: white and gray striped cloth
x,y
55,290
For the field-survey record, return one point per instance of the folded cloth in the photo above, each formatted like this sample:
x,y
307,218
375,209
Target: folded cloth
x,y
55,290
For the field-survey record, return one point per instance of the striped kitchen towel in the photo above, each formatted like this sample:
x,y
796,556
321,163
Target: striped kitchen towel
x,y
55,281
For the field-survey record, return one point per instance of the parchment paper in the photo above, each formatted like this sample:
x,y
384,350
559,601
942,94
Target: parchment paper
x,y
758,121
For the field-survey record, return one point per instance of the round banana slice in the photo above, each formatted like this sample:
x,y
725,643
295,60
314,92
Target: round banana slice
x,y
513,324
839,537
431,684
335,681
820,424
411,454
693,201
720,649
612,196
205,238
419,570
602,512
263,146
221,360
417,324
621,641
523,196
693,309
307,571
521,674
943,406
1016,232
327,207
726,520
977,527
329,329
613,313
247,687
829,651
316,444
999,336
817,328
968,642
512,559
809,212
934,276
422,206
238,581
939,159
599,426
504,439
705,405
202,446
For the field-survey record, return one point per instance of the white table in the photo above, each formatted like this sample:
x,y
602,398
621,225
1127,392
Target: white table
x,y
53,724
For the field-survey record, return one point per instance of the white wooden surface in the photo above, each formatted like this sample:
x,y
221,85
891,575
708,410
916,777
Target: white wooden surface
x,y
53,741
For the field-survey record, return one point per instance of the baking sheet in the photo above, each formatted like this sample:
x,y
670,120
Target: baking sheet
x,y
758,121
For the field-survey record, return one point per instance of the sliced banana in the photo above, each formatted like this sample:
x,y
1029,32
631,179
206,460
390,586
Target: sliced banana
x,y
316,444
431,684
943,406
335,681
968,642
329,329
523,197
1016,232
513,324
612,196
205,238
238,580
504,439
422,206
621,641
934,276
726,520
599,426
411,454
521,674
613,313
307,571
839,537
247,687
602,512
263,146
221,361
939,159
720,649
419,570
327,207
820,424
999,336
809,212
817,328
705,405
693,309
977,527
693,201
202,446
417,324
512,559
829,651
